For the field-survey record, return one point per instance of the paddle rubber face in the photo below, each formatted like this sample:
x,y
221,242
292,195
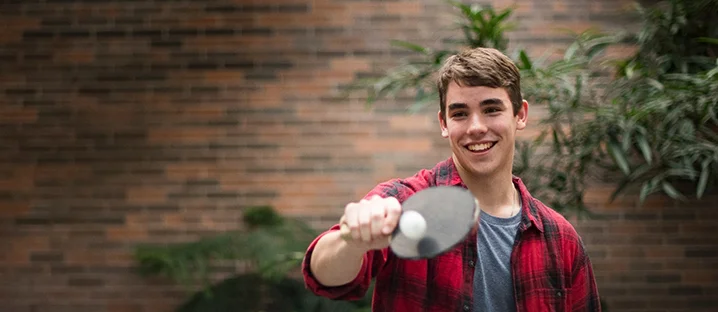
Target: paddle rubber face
x,y
449,213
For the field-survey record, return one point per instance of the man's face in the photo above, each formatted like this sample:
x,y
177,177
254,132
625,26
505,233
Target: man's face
x,y
481,128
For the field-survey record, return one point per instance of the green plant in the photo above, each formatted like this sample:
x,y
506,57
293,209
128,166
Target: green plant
x,y
559,163
252,292
670,138
654,122
272,246
479,25
648,120
677,36
668,93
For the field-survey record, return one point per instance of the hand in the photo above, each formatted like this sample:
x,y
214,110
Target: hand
x,y
368,224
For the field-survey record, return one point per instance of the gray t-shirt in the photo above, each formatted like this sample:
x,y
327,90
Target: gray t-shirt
x,y
493,287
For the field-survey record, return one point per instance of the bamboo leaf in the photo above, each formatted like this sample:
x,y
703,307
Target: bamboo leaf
x,y
525,60
626,139
410,46
571,51
615,150
646,189
713,72
505,14
671,191
708,40
645,148
703,180
655,83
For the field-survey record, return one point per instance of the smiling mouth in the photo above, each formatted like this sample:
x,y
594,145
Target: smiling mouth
x,y
478,148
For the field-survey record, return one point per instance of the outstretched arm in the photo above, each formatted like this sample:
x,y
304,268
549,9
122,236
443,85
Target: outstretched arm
x,y
334,261
342,267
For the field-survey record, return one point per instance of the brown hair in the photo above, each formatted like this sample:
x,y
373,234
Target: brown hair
x,y
485,67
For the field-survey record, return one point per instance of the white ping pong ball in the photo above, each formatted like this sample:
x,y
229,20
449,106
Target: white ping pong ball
x,y
412,224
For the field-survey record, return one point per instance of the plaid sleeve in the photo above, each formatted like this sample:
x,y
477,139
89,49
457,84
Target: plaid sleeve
x,y
584,291
373,260
400,189
353,290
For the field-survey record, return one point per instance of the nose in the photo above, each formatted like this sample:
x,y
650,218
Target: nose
x,y
476,125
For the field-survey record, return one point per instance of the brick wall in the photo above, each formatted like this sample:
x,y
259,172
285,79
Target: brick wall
x,y
124,122
662,256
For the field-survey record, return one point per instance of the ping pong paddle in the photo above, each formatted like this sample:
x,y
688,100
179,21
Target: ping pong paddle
x,y
433,221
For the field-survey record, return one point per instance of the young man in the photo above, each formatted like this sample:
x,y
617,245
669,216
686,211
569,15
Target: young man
x,y
522,256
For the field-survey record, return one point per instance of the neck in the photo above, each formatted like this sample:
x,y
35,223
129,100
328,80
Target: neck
x,y
496,194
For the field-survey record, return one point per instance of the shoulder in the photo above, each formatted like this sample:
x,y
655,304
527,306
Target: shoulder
x,y
554,223
552,218
402,188
558,229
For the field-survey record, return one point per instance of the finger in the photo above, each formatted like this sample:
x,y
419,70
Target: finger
x,y
351,220
393,213
344,231
378,214
364,219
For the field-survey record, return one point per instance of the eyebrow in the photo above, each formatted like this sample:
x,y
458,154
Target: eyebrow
x,y
489,101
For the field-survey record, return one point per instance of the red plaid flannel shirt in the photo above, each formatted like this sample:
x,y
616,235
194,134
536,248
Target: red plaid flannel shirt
x,y
550,268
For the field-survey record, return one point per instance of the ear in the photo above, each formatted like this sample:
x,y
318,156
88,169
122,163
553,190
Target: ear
x,y
522,116
442,124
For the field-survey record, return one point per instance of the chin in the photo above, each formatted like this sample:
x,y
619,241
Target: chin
x,y
479,170
482,172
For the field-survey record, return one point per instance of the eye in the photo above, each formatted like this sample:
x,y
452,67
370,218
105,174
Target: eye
x,y
458,114
492,110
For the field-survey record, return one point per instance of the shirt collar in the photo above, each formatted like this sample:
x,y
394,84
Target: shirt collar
x,y
529,210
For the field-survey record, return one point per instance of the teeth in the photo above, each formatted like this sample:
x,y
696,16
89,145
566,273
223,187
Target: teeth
x,y
479,147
